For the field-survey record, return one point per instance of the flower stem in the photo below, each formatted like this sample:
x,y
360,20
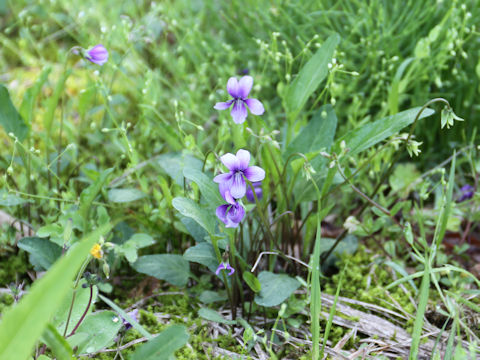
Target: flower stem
x,y
84,313
77,280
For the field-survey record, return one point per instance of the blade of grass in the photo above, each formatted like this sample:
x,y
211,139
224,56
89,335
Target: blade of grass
x,y
332,311
23,324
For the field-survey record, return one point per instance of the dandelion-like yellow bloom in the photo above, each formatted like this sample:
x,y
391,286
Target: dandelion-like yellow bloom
x,y
96,251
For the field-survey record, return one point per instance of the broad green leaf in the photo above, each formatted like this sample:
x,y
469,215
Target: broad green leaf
x,y
207,187
202,253
101,327
372,133
275,288
358,140
174,163
208,297
191,209
212,315
42,252
310,76
89,194
10,119
124,195
57,343
164,345
252,281
81,301
318,134
169,267
130,247
127,317
194,229
23,324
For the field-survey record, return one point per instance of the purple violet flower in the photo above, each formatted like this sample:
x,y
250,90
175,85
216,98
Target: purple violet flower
x,y
234,181
225,266
97,55
467,192
239,90
231,213
134,315
258,191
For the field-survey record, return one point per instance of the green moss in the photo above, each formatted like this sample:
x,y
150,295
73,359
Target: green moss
x,y
12,267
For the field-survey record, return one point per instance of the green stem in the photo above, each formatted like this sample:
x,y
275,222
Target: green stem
x,y
75,286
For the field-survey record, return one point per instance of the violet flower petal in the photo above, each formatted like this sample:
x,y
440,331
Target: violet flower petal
x,y
243,158
255,106
239,112
229,198
244,86
238,186
223,105
220,268
257,186
230,161
235,215
221,213
232,270
232,87
254,173
222,178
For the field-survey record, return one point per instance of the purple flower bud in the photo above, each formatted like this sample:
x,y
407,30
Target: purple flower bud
x,y
225,266
258,191
467,192
97,55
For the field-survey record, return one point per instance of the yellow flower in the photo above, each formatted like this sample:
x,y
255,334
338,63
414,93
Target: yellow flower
x,y
96,251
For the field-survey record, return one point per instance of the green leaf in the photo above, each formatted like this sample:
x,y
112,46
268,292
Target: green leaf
x,y
164,345
402,181
207,187
7,199
174,163
42,252
191,209
90,193
208,297
169,267
252,281
130,247
127,317
318,134
10,119
81,301
194,229
202,253
212,315
276,288
311,76
23,324
57,343
101,327
370,134
125,195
